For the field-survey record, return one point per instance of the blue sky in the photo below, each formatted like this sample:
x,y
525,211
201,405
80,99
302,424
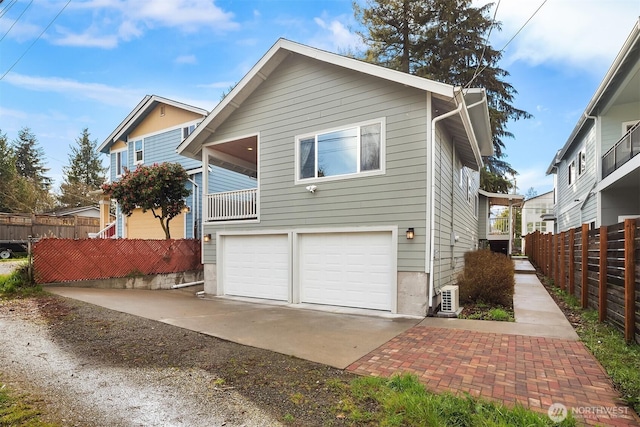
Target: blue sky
x,y
99,58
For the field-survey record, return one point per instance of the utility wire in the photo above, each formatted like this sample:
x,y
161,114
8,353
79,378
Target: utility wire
x,y
6,9
484,48
16,21
38,38
510,40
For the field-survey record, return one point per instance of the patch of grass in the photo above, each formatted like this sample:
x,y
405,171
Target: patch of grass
x,y
288,419
500,315
17,283
403,401
17,411
620,360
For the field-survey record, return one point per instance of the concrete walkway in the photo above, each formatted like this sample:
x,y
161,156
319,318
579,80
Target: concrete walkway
x,y
536,361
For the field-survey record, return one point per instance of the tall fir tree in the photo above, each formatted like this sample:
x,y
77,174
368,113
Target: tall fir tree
x,y
8,176
446,41
84,175
29,159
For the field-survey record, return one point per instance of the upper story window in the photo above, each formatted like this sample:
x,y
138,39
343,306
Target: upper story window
x,y
343,152
582,162
572,172
187,130
469,192
121,162
138,149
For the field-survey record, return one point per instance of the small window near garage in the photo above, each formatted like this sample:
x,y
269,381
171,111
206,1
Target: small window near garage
x,y
138,147
582,162
340,153
469,192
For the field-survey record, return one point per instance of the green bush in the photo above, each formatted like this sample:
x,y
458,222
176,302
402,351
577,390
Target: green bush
x,y
18,282
488,277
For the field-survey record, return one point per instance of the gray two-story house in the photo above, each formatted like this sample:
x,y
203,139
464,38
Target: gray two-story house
x,y
366,183
597,171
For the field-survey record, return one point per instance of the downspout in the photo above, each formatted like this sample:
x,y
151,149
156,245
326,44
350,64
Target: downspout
x,y
196,210
432,214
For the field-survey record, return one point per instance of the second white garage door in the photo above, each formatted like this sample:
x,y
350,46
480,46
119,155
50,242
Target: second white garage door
x,y
346,269
256,266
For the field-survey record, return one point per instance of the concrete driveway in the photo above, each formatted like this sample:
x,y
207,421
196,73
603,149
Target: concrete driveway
x,y
333,338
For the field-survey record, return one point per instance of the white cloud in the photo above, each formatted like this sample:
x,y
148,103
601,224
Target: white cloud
x,y
335,36
186,59
88,38
99,92
582,33
135,17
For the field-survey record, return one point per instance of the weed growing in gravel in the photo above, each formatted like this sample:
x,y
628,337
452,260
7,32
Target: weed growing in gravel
x,y
403,400
500,315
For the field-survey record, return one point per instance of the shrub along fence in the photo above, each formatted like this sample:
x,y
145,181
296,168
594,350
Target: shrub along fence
x,y
600,267
68,260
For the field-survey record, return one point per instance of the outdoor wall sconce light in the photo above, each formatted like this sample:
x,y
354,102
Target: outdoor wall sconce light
x,y
410,233
186,209
207,237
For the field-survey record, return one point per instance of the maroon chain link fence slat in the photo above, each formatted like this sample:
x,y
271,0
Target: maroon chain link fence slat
x,y
69,260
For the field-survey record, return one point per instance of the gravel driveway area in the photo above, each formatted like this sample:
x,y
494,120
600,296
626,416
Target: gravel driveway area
x,y
90,366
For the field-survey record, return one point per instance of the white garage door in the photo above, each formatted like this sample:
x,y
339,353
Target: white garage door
x,y
256,266
346,269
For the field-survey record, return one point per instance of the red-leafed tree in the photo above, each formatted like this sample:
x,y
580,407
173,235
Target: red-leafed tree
x,y
160,188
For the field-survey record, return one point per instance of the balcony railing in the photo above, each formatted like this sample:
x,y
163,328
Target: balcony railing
x,y
624,150
109,232
498,226
230,205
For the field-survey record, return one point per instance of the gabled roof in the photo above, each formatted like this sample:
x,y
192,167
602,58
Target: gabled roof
x,y
627,59
75,210
476,117
138,114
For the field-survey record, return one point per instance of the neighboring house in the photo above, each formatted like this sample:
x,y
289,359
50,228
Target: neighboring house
x,y
535,212
84,211
496,229
149,135
597,172
366,183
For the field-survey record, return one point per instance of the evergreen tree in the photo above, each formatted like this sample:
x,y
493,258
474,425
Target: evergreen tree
x,y
28,156
84,174
7,175
446,41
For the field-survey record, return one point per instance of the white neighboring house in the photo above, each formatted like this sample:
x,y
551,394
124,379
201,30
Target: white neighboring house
x,y
535,215
597,172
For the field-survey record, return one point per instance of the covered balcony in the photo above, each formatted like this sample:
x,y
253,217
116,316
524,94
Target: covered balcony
x,y
231,185
624,150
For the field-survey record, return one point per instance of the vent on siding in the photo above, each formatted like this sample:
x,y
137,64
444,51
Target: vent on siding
x,y
450,299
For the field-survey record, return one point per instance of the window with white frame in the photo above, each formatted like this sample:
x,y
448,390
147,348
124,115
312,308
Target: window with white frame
x,y
187,130
469,195
121,162
571,172
627,126
582,162
460,173
349,151
138,149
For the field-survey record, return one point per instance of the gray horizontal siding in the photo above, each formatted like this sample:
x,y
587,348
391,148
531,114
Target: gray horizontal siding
x,y
299,99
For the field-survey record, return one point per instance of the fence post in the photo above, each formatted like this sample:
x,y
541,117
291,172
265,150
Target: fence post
x,y
584,297
563,278
572,261
629,279
556,259
602,275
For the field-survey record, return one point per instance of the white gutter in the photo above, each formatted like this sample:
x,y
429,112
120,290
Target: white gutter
x,y
432,212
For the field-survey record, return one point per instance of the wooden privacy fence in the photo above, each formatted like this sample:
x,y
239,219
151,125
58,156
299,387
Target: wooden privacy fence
x,y
67,260
600,267
19,227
